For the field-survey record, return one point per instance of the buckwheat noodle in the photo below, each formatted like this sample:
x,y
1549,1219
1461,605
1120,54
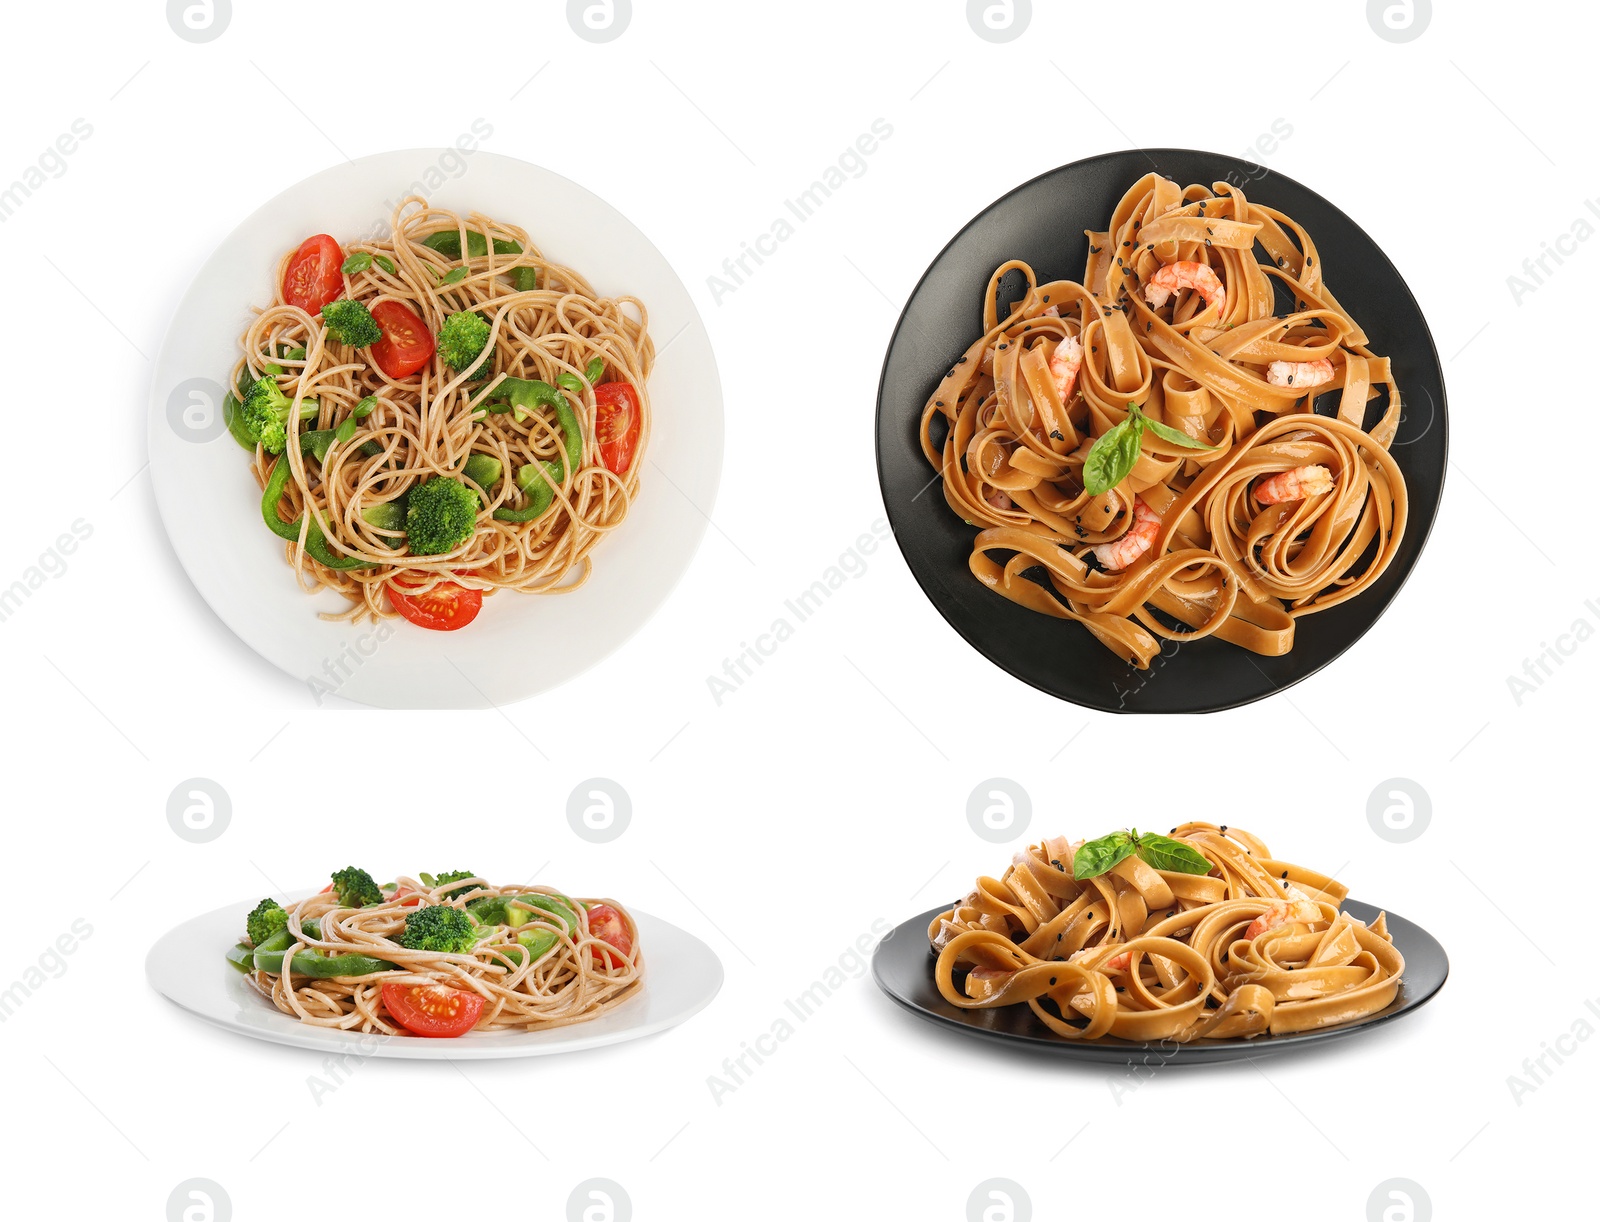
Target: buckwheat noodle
x,y
564,986
1223,558
425,428
1036,937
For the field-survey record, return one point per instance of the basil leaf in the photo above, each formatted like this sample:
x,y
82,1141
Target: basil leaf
x,y
1165,853
1098,856
385,262
364,408
1168,433
1112,456
455,277
358,262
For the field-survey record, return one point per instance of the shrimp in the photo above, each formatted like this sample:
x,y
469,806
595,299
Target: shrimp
x,y
1298,907
1184,275
1135,541
1295,484
1064,365
1116,963
1300,373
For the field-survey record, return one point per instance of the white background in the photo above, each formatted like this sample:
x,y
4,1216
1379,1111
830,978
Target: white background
x,y
830,790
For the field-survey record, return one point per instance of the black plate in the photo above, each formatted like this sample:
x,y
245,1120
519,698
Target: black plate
x,y
1042,222
903,967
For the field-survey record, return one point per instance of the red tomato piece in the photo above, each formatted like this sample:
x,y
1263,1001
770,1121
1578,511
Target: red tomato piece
x,y
313,278
407,344
444,608
617,419
606,923
433,1010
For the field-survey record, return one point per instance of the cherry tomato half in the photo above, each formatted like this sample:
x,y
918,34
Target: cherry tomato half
x,y
444,608
617,419
312,278
407,344
606,923
432,1010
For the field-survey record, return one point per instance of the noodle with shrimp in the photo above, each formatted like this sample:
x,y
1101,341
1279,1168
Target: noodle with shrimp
x,y
1200,935
1145,452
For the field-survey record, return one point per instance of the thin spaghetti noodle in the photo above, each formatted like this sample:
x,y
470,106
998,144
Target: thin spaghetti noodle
x,y
576,978
428,423
1236,507
1256,945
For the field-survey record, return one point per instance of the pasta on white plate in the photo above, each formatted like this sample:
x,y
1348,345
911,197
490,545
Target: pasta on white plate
x,y
441,415
440,956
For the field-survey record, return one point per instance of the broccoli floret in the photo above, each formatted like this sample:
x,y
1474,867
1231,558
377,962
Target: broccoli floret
x,y
355,888
265,414
266,919
462,340
439,880
351,323
441,929
440,515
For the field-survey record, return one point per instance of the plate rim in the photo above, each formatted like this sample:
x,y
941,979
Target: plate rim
x,y
328,1041
1197,706
1115,1051
698,522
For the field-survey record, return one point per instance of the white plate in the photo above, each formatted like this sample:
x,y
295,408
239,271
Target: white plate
x,y
681,976
212,509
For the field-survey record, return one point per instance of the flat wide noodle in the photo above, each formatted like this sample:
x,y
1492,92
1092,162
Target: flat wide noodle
x,y
1229,559
1256,945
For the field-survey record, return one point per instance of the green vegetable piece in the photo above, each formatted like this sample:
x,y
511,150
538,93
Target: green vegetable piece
x,y
538,482
450,877
1112,456
317,442
242,956
1165,853
1115,451
1159,852
462,340
321,966
364,408
483,470
524,279
595,369
1167,433
351,323
439,928
346,430
233,417
264,414
575,384
448,243
277,482
453,277
440,516
355,888
385,262
1098,856
387,515
358,262
295,354
265,919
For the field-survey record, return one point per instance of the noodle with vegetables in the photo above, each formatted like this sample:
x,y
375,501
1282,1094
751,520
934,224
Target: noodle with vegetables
x,y
459,414
440,956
